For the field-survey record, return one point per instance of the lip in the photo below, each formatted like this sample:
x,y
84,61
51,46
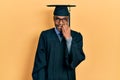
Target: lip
x,y
60,25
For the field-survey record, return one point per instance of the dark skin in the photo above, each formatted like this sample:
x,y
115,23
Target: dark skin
x,y
62,25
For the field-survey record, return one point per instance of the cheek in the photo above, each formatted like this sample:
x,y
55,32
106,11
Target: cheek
x,y
56,23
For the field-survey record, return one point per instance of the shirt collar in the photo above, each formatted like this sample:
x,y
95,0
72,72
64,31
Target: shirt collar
x,y
57,32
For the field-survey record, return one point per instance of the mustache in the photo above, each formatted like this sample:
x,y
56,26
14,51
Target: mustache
x,y
59,25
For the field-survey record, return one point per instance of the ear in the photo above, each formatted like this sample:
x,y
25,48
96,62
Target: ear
x,y
54,18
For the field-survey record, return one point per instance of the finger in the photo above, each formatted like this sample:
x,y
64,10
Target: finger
x,y
63,29
66,27
66,23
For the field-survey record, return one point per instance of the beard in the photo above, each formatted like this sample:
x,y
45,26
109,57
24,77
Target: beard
x,y
59,27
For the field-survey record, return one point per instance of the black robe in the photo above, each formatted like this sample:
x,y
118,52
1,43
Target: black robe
x,y
52,60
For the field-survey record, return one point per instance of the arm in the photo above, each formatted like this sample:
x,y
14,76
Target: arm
x,y
74,52
76,55
68,43
39,70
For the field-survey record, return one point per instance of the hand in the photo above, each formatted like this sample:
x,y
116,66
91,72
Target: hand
x,y
66,31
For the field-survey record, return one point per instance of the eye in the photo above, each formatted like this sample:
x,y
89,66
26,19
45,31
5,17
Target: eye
x,y
64,19
57,18
60,19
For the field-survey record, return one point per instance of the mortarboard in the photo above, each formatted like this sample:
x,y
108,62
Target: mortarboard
x,y
62,10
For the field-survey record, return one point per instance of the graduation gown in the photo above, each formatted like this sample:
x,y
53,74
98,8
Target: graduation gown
x,y
52,60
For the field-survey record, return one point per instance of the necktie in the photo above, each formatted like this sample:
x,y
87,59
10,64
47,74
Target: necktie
x,y
61,36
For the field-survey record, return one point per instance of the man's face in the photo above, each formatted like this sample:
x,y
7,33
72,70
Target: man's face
x,y
59,21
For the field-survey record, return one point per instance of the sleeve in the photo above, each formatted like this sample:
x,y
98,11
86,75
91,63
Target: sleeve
x,y
76,55
68,43
40,60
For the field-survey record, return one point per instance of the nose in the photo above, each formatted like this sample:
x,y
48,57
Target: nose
x,y
61,22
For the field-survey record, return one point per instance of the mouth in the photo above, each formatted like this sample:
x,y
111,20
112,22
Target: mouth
x,y
60,26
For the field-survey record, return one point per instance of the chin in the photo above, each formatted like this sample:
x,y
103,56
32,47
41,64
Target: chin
x,y
60,29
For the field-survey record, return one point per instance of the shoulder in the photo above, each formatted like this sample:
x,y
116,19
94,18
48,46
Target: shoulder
x,y
76,34
47,32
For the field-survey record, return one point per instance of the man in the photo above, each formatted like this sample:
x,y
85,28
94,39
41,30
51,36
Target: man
x,y
59,50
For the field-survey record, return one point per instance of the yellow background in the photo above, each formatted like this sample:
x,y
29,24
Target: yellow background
x,y
21,22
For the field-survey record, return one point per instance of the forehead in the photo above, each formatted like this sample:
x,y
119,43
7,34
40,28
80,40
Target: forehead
x,y
61,16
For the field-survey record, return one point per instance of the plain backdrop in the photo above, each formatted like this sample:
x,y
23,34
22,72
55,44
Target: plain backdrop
x,y
21,22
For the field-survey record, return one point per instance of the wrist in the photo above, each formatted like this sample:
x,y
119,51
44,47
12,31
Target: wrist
x,y
69,39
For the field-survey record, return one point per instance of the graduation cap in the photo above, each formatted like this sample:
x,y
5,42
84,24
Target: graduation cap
x,y
62,10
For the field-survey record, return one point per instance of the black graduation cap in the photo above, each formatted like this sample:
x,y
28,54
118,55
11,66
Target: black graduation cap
x,y
62,10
